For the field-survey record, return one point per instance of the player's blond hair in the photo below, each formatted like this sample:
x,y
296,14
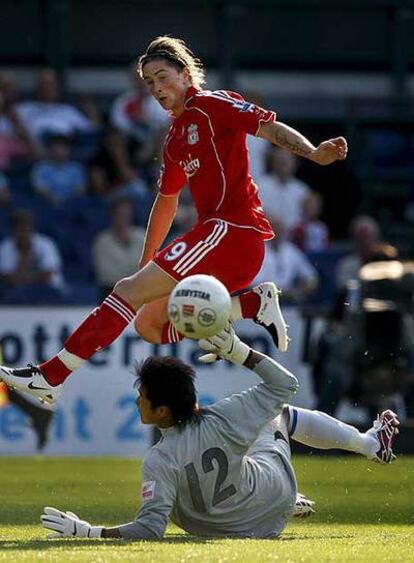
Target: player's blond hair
x,y
176,52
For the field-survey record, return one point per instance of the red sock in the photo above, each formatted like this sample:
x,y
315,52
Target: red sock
x,y
103,325
170,334
249,304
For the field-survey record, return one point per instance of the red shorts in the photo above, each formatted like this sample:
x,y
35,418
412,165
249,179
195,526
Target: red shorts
x,y
233,255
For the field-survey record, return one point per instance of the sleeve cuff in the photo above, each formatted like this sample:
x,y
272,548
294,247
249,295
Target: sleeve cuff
x,y
136,531
95,532
271,119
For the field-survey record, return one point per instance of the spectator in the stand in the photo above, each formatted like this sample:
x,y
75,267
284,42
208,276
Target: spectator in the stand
x,y
28,258
141,122
5,194
364,352
365,233
15,142
123,178
48,114
116,251
258,148
57,178
98,181
311,234
287,266
135,109
282,194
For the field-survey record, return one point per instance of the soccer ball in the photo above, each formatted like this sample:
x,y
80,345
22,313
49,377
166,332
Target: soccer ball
x,y
199,306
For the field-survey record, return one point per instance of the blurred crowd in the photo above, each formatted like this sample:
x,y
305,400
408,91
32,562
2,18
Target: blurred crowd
x,y
77,181
70,169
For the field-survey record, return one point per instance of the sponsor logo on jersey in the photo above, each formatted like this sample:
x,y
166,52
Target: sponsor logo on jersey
x,y
190,166
192,134
193,293
148,490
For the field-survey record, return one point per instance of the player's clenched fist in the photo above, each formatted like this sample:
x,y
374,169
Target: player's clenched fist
x,y
67,525
329,151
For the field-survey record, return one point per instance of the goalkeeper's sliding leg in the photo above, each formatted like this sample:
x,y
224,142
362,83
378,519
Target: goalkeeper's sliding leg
x,y
319,430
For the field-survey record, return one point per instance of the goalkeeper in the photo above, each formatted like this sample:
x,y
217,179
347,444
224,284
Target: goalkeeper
x,y
224,470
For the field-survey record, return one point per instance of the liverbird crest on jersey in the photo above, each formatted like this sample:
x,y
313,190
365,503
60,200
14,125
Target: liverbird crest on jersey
x,y
192,131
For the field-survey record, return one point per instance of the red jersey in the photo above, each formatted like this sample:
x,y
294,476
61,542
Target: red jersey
x,y
206,148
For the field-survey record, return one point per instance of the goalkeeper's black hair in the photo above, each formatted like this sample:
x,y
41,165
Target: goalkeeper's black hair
x,y
168,381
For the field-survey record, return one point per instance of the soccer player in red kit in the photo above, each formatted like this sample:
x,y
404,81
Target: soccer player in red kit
x,y
206,149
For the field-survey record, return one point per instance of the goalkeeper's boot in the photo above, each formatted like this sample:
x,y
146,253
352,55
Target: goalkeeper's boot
x,y
270,315
384,430
304,507
30,380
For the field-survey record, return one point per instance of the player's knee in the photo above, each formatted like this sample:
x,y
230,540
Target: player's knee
x,y
122,287
126,289
146,330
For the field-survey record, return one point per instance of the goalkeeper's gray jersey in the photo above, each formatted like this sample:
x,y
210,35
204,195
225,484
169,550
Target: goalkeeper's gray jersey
x,y
203,477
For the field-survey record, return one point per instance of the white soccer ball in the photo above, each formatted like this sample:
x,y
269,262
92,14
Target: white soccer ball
x,y
199,306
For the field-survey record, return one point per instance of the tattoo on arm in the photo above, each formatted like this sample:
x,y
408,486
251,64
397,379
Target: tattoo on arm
x,y
292,140
282,140
288,138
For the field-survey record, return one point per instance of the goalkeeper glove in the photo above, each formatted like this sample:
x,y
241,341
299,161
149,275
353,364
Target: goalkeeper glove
x,y
304,507
68,525
227,345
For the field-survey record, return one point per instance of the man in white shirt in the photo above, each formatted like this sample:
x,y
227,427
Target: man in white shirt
x,y
140,123
287,266
282,194
27,257
47,114
366,238
135,111
116,250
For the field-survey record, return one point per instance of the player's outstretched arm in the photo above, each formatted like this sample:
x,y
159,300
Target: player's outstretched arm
x,y
69,525
158,492
228,346
288,138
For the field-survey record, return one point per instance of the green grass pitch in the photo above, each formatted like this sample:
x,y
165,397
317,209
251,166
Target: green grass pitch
x,y
365,513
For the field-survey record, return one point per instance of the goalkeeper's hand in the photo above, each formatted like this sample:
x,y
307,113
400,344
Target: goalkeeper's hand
x,y
304,507
227,345
67,525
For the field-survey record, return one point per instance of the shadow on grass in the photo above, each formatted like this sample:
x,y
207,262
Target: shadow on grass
x,y
317,537
36,545
331,516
